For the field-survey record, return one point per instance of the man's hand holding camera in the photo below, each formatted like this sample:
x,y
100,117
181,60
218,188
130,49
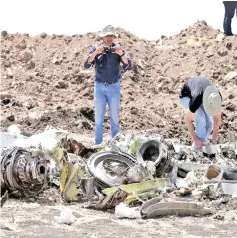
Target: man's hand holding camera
x,y
99,50
118,50
105,49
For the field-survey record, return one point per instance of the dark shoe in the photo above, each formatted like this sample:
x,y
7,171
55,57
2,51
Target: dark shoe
x,y
229,34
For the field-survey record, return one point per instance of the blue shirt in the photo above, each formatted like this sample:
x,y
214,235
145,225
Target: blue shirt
x,y
107,66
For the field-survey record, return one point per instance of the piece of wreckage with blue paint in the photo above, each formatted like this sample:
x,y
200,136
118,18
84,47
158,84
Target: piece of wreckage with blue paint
x,y
135,174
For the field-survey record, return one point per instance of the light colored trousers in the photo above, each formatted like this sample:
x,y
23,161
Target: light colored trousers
x,y
203,122
103,94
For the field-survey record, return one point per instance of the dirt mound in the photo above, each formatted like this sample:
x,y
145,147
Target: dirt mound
x,y
200,30
45,75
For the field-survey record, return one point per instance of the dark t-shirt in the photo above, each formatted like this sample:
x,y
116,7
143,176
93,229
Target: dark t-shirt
x,y
194,89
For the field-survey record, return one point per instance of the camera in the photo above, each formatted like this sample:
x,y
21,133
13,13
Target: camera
x,y
109,49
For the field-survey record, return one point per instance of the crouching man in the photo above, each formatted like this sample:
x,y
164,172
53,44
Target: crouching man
x,y
107,58
203,103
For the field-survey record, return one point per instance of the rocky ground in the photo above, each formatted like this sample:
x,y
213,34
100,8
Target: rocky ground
x,y
44,79
37,220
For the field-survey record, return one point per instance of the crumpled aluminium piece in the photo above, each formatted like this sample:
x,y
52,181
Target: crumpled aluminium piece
x,y
120,143
23,171
147,150
69,179
156,207
140,191
112,200
141,172
130,143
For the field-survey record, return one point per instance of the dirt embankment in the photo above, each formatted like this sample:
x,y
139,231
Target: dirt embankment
x,y
45,78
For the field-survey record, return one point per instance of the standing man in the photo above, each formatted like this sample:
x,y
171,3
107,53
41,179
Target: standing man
x,y
107,58
202,101
230,7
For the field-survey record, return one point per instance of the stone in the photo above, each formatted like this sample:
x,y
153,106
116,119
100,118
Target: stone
x,y
228,45
7,64
53,37
66,76
222,52
88,112
231,75
86,92
62,84
30,65
27,56
219,217
4,33
230,107
43,35
57,60
9,73
11,118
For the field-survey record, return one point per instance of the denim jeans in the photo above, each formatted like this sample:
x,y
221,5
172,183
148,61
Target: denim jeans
x,y
203,122
230,8
103,94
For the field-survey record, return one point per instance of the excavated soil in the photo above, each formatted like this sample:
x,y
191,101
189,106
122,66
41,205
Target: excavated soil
x,y
44,78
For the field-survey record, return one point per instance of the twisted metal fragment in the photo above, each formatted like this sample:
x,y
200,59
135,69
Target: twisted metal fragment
x,y
22,171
